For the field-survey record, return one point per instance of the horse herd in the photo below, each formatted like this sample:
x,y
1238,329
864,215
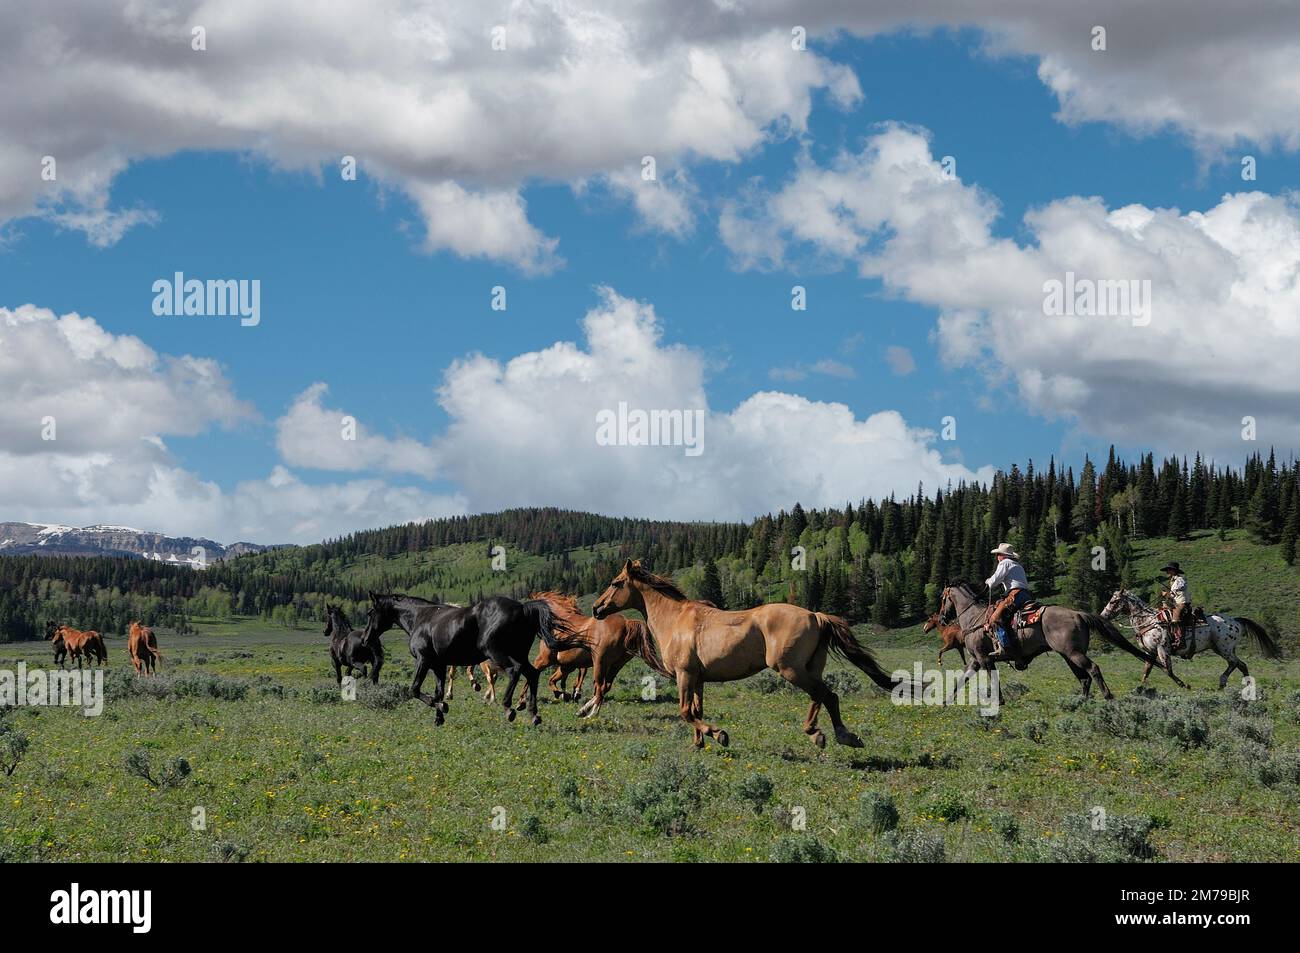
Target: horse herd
x,y
142,646
692,642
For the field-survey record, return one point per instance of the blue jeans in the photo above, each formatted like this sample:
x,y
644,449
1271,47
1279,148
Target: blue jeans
x,y
1019,598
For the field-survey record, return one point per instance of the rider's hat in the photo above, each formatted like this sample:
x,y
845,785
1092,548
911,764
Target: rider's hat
x,y
1004,549
1171,567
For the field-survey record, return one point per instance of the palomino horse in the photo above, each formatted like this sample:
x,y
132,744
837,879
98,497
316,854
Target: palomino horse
x,y
1061,630
1221,633
612,643
700,643
78,643
142,645
496,628
347,650
54,633
951,635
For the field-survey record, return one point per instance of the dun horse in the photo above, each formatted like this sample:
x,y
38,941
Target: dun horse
x,y
348,649
612,643
495,629
1061,630
142,646
700,643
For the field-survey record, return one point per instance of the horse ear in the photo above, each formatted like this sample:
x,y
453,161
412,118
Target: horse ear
x,y
627,565
374,597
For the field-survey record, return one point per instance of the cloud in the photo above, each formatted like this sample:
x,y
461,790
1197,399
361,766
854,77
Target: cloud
x,y
900,360
113,401
827,367
419,96
525,433
1225,285
310,435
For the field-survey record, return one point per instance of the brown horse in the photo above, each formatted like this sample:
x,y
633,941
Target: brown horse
x,y
489,672
951,635
142,645
700,643
611,643
78,643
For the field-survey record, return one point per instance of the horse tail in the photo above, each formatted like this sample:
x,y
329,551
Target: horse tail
x,y
1259,635
845,644
1102,627
645,647
551,629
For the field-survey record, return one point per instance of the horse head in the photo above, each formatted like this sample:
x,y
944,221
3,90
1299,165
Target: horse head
x,y
1119,599
381,617
619,594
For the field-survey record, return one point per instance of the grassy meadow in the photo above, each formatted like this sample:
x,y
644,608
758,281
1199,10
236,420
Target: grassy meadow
x,y
245,723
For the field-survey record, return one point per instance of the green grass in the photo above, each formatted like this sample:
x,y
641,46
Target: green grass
x,y
285,775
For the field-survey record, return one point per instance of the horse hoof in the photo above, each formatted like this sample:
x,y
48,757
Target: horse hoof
x,y
537,720
443,707
476,688
848,738
510,714
819,739
722,738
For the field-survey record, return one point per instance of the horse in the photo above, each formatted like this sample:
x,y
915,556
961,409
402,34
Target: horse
x,y
496,629
489,673
1061,630
951,635
700,643
142,645
78,643
54,633
613,642
1221,633
348,649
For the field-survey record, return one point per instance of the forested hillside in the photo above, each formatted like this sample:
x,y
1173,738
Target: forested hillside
x,y
879,561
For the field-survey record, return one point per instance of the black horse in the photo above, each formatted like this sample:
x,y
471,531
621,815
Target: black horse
x,y
52,633
495,629
348,648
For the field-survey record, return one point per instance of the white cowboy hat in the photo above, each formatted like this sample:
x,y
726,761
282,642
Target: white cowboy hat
x,y
1004,549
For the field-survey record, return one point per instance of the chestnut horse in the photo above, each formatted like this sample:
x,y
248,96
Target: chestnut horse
x,y
700,643
143,648
951,635
612,643
78,643
54,633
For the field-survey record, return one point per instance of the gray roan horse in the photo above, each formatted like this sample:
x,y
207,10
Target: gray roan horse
x,y
1221,633
1061,630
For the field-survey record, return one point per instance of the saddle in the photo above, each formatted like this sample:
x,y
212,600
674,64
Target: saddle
x,y
1028,615
1198,616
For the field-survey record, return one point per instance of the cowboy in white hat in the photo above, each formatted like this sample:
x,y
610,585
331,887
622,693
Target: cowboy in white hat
x,y
1011,576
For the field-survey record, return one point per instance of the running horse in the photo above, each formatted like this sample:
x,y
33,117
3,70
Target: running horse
x,y
142,646
612,642
1219,633
700,643
951,635
78,643
1059,629
347,649
54,634
496,629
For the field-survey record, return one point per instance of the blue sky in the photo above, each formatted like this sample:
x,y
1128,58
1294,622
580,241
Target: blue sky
x,y
352,298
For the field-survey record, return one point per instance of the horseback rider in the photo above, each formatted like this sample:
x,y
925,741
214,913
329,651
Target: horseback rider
x,y
1175,598
1011,575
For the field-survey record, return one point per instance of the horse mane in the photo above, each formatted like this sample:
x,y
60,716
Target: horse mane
x,y
558,601
646,650
967,586
659,583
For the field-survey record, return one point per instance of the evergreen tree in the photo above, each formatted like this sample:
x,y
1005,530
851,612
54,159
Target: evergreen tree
x,y
711,585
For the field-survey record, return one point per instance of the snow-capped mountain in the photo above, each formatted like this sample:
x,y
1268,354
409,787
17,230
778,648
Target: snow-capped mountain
x,y
52,539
